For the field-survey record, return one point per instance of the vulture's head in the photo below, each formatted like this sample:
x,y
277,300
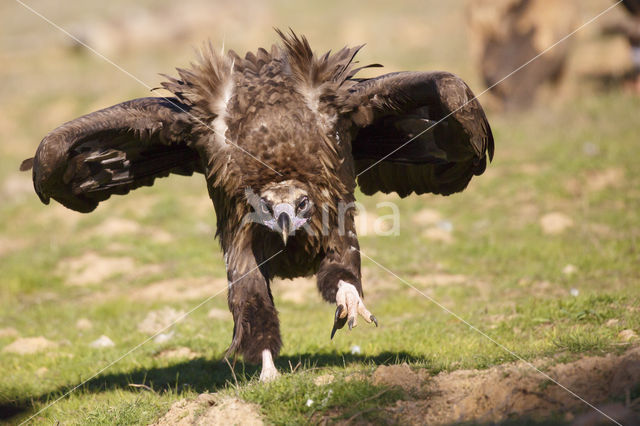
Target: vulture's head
x,y
285,207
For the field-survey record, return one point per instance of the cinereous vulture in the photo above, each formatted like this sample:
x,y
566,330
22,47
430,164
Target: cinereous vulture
x,y
507,34
281,138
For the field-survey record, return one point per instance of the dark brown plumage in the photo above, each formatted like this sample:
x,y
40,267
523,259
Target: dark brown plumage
x,y
280,137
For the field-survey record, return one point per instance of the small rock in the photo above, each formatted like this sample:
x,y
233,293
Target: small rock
x,y
445,225
555,223
102,342
612,322
627,335
84,324
569,269
163,337
325,379
355,350
574,292
590,149
29,345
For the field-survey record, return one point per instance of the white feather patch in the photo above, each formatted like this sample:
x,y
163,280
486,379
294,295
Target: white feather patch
x,y
220,108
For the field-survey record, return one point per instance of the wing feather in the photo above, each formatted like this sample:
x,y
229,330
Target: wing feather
x,y
113,151
418,132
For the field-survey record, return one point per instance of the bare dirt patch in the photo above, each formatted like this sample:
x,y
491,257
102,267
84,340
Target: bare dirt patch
x,y
555,223
120,226
91,268
399,375
8,332
609,178
117,226
209,409
427,217
180,289
159,320
368,223
438,234
181,352
29,345
298,290
84,324
325,379
515,390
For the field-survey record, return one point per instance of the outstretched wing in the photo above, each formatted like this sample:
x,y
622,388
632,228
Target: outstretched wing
x,y
418,132
113,151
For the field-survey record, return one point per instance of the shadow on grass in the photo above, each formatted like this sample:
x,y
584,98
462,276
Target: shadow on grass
x,y
199,375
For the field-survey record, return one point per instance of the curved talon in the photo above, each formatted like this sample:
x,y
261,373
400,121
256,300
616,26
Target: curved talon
x,y
374,320
338,322
349,306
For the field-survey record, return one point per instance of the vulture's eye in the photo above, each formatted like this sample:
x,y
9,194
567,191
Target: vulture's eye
x,y
303,204
266,208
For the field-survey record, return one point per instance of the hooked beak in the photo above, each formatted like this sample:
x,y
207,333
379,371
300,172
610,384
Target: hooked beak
x,y
284,222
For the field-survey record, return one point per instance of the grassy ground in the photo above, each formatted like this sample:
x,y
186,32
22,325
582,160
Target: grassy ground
x,y
484,254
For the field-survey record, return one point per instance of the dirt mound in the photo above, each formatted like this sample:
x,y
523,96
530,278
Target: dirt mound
x,y
399,375
509,390
29,345
208,409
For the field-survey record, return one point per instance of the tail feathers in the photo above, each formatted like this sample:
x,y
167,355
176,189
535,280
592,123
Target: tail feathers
x,y
26,165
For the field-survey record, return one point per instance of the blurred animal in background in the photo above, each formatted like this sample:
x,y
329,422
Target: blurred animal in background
x,y
506,34
282,137
629,27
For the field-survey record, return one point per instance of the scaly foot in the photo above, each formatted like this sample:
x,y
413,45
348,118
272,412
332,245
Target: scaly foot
x,y
349,306
269,371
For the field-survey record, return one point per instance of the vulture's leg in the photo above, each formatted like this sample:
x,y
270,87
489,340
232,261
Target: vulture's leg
x,y
339,278
256,329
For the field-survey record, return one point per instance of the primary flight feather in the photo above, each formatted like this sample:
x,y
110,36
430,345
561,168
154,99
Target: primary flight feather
x,y
282,137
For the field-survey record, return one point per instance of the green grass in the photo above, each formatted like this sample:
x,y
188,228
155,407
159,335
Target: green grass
x,y
514,288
